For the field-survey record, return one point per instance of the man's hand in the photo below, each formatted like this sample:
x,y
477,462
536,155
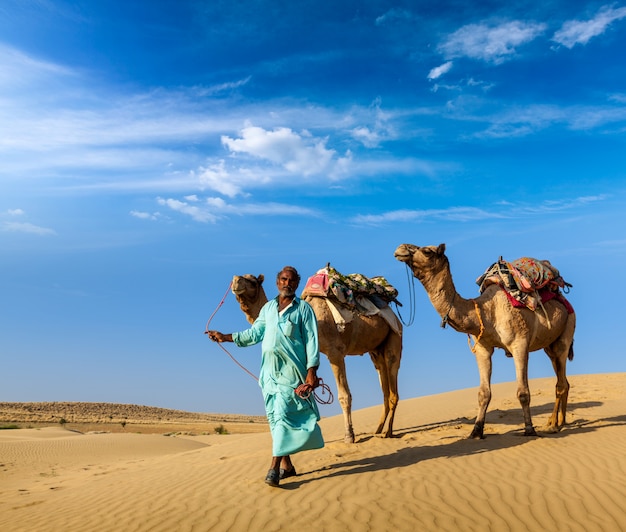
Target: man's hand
x,y
311,378
217,336
304,390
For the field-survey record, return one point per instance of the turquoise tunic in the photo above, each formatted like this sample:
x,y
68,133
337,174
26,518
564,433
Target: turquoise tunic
x,y
290,347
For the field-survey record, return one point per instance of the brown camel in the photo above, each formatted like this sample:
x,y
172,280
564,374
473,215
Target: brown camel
x,y
494,322
364,334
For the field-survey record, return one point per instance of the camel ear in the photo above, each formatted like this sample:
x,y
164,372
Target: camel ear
x,y
260,278
441,249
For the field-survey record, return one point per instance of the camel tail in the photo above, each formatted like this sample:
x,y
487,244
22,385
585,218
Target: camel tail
x,y
570,355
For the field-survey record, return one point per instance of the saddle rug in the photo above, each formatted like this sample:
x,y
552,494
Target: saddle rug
x,y
526,280
347,289
346,294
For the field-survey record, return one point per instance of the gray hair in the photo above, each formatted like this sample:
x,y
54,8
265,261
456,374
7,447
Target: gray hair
x,y
289,269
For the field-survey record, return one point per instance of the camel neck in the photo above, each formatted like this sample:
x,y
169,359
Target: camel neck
x,y
450,305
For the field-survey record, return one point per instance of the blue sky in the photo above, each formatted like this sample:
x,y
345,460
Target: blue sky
x,y
149,151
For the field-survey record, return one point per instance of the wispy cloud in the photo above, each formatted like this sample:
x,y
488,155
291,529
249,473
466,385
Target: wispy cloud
x,y
26,227
505,210
392,15
146,215
439,71
490,43
213,209
521,121
575,32
10,226
460,214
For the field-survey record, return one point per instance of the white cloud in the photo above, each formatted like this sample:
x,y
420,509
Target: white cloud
x,y
216,177
15,212
376,126
25,227
18,69
393,14
366,136
523,121
469,214
459,214
493,44
197,213
439,71
262,157
297,153
213,209
575,32
145,215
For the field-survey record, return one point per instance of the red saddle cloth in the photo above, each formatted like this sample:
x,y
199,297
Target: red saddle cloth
x,y
546,295
317,285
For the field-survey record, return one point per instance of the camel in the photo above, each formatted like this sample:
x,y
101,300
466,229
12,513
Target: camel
x,y
494,322
364,334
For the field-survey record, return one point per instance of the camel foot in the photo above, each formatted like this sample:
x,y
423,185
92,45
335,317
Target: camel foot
x,y
477,434
551,429
349,438
530,431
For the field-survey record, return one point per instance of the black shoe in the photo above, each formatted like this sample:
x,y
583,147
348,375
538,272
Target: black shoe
x,y
272,478
286,474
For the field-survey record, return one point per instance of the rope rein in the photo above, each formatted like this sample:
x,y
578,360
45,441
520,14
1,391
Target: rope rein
x,y
411,283
304,390
206,331
480,334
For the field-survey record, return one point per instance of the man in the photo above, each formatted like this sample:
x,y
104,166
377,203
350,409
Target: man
x,y
290,357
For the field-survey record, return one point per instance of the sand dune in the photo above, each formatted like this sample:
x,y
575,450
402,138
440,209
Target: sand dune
x,y
431,477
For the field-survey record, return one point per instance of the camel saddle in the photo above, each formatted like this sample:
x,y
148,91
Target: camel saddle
x,y
526,280
350,290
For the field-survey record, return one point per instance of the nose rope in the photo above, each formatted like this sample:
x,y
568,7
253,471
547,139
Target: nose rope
x,y
206,331
305,389
411,281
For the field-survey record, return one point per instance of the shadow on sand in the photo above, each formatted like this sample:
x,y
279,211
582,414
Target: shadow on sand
x,y
463,446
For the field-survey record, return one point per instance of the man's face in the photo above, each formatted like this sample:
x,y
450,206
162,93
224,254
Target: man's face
x,y
287,284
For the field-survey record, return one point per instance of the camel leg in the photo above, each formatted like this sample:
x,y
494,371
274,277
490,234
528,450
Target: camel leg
x,y
392,355
483,359
557,419
383,377
520,356
338,366
559,352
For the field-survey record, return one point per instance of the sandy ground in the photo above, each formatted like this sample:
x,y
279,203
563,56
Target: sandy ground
x,y
429,477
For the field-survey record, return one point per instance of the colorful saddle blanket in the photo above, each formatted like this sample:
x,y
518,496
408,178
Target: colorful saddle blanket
x,y
349,289
524,280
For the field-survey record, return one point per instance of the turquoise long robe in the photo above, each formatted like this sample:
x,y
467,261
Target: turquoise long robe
x,y
290,347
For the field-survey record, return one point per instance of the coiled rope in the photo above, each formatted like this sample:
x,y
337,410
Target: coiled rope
x,y
304,390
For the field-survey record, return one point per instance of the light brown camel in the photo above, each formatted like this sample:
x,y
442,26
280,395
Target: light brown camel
x,y
364,334
494,322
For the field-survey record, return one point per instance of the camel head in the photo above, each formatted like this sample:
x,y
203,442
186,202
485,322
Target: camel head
x,y
247,286
250,294
423,261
